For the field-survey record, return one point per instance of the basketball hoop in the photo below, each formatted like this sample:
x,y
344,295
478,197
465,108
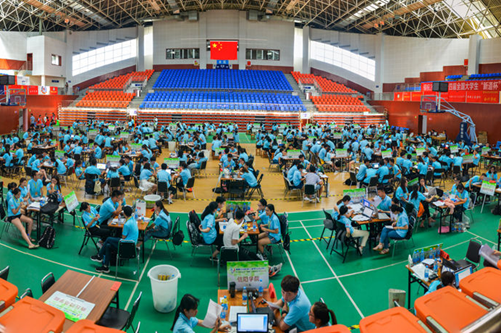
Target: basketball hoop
x,y
16,96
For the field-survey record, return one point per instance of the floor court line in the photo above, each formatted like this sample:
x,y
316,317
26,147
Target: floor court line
x,y
335,275
141,276
60,264
477,236
308,226
375,269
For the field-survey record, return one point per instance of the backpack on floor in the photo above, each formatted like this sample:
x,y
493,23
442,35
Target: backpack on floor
x,y
178,238
48,238
349,182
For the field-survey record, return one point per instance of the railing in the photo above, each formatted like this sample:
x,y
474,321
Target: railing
x,y
241,106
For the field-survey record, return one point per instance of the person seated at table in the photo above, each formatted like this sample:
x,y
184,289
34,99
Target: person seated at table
x,y
35,185
17,218
154,165
19,154
297,178
385,204
295,306
447,279
198,162
398,230
402,194
54,187
475,180
110,208
25,190
90,218
311,178
418,200
248,176
161,226
422,166
407,164
208,228
144,179
362,171
98,151
345,201
321,316
185,318
370,172
492,173
352,232
130,232
271,233
124,170
184,175
79,170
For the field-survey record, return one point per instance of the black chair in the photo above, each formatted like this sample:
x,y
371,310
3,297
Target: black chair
x,y
27,292
4,273
329,224
353,179
173,231
196,239
126,250
237,188
472,255
120,319
456,170
203,167
47,282
346,242
163,187
115,182
309,190
284,243
257,187
226,254
408,236
87,236
373,183
440,178
190,184
429,178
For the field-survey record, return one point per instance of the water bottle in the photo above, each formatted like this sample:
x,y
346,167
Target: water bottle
x,y
426,273
135,214
244,296
435,266
437,254
260,288
254,226
421,257
224,305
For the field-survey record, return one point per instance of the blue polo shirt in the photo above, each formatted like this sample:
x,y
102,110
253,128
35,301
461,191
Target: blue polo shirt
x,y
209,222
250,179
164,176
35,188
88,217
185,175
106,211
185,325
299,308
130,230
385,204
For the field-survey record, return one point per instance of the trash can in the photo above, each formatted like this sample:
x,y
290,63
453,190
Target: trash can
x,y
164,291
172,145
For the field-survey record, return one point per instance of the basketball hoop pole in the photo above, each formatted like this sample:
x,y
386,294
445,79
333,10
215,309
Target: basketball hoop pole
x,y
439,99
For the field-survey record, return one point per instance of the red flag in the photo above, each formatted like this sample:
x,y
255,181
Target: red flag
x,y
223,50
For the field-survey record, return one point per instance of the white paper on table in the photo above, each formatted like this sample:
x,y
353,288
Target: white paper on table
x,y
272,305
389,227
34,205
213,312
439,203
234,310
356,207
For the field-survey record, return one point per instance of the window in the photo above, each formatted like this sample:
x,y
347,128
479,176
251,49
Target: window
x,y
102,56
182,54
56,60
339,57
261,54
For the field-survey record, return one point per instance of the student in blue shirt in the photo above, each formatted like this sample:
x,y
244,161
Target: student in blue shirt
x,y
475,180
111,207
54,187
90,218
385,204
60,167
208,228
402,194
422,166
362,171
398,230
162,225
298,306
248,176
19,155
271,233
185,318
417,199
15,216
463,199
492,174
35,185
130,233
185,175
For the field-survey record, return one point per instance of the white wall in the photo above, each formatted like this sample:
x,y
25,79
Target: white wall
x,y
56,47
408,57
490,51
36,46
223,24
13,45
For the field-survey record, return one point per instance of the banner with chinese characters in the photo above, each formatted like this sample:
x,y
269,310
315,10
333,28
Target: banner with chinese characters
x,y
248,274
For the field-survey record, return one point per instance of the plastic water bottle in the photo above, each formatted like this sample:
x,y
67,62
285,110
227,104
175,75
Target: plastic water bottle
x,y
135,214
224,305
435,266
260,290
426,273
437,254
254,226
244,296
421,258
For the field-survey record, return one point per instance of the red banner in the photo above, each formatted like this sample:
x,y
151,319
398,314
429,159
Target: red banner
x,y
490,97
474,96
406,96
397,96
416,96
457,96
32,90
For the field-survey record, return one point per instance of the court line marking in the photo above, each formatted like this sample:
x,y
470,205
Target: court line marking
x,y
141,276
335,275
60,264
477,236
308,226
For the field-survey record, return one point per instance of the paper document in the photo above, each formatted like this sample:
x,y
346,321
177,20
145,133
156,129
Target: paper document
x,y
34,205
356,207
213,312
74,308
234,310
359,218
488,254
389,227
272,305
419,271
383,216
439,203
377,200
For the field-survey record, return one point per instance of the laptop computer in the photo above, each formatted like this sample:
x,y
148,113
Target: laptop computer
x,y
101,166
252,323
366,215
461,274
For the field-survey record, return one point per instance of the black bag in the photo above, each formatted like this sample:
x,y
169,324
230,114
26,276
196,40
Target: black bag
x,y
51,206
178,238
496,210
287,243
349,182
48,238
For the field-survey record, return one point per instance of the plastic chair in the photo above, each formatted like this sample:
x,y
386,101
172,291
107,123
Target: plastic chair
x,y
226,254
120,319
87,236
4,273
329,224
175,228
47,282
472,255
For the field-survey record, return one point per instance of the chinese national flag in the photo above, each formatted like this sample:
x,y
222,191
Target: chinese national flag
x,y
223,50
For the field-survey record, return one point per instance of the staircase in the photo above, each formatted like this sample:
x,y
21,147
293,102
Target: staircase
x,y
309,105
136,102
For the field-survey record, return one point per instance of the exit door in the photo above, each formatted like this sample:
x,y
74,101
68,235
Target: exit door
x,y
422,124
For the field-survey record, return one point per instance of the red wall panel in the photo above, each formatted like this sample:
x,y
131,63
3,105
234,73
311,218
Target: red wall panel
x,y
489,68
405,114
431,76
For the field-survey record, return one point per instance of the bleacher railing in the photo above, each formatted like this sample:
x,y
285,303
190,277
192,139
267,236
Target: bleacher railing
x,y
224,106
136,79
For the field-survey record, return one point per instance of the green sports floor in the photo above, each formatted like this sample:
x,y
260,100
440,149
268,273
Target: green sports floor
x,y
353,290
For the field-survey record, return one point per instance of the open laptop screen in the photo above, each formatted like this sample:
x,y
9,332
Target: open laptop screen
x,y
252,323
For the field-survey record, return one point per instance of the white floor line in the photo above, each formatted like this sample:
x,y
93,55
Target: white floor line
x,y
293,221
141,276
488,240
308,226
57,263
372,269
335,275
